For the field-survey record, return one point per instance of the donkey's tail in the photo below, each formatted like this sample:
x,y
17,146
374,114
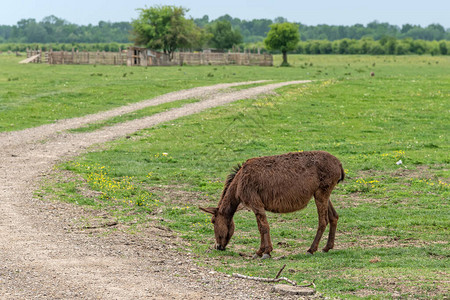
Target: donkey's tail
x,y
230,178
342,174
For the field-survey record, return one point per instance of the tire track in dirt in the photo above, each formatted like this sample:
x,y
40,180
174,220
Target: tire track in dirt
x,y
41,132
41,258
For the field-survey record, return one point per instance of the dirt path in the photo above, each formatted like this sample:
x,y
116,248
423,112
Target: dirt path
x,y
43,256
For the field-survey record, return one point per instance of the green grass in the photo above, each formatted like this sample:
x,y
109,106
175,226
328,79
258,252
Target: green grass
x,y
393,231
36,94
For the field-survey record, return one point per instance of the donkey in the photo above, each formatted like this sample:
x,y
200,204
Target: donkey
x,y
279,184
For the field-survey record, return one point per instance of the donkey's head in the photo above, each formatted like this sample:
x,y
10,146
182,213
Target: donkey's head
x,y
223,227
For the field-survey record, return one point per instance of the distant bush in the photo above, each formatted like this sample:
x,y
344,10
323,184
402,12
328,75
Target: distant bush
x,y
387,46
443,47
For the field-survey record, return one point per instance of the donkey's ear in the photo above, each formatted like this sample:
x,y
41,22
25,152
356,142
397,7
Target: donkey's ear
x,y
209,210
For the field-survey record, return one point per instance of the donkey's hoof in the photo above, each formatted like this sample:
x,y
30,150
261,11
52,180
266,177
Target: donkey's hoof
x,y
256,256
266,256
309,253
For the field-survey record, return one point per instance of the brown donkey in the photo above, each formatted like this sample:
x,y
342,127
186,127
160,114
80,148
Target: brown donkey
x,y
280,184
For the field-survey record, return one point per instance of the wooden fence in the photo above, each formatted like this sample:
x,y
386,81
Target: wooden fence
x,y
144,57
37,55
87,58
246,59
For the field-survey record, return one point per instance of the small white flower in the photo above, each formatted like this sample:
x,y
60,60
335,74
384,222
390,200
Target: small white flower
x,y
399,162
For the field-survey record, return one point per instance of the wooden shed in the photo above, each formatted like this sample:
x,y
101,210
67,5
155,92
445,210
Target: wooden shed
x,y
138,56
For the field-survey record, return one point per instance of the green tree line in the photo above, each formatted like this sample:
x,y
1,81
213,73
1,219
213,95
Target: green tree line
x,y
390,46
256,30
52,29
91,47
165,28
55,30
344,46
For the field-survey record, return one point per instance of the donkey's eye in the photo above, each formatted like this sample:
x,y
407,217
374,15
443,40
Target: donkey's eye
x,y
213,220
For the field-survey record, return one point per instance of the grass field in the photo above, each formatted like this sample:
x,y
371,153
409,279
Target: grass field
x,y
36,94
393,232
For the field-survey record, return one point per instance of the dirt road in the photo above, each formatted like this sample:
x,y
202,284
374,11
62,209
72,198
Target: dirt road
x,y
42,256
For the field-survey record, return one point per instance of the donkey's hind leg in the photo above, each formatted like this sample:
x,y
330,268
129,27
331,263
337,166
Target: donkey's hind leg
x,y
333,218
321,197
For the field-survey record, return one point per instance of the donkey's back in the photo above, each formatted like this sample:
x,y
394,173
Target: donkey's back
x,y
286,183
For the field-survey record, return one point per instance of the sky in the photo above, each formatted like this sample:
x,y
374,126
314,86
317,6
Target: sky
x,y
331,12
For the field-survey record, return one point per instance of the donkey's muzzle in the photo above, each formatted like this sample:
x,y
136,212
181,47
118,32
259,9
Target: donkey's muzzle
x,y
220,247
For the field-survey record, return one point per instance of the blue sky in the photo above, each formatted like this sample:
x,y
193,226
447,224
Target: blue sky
x,y
346,12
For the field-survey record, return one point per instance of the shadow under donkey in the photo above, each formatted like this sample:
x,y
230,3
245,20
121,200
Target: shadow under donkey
x,y
280,184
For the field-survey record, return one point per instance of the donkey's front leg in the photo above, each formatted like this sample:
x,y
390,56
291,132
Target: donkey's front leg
x,y
263,226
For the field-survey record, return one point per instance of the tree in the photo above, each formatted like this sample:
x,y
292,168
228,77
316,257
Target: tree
x,y
203,21
280,20
223,36
391,45
443,48
283,37
165,28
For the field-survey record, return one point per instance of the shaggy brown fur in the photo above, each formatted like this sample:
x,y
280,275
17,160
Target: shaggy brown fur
x,y
280,184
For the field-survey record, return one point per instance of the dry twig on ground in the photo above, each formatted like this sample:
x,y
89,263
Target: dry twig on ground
x,y
276,279
265,279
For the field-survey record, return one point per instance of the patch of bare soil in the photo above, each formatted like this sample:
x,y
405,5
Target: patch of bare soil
x,y
398,287
376,241
54,250
179,195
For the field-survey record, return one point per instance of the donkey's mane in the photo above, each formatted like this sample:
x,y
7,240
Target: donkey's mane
x,y
230,178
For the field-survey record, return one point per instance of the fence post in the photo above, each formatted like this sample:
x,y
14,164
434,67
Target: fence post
x,y
181,59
